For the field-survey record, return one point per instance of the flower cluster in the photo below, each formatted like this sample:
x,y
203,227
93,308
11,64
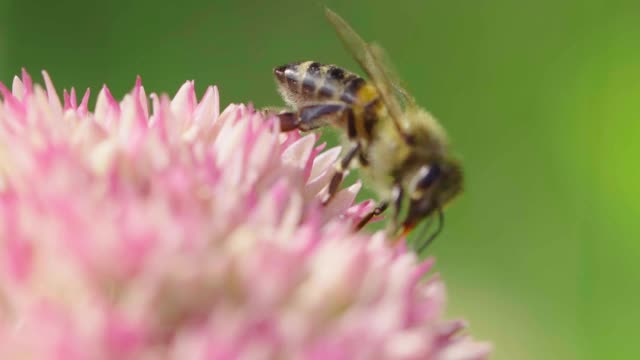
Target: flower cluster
x,y
158,228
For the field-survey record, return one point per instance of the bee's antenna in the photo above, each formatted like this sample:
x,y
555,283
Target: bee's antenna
x,y
424,229
435,234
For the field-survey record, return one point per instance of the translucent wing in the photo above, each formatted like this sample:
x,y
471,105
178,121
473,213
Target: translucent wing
x,y
391,74
364,54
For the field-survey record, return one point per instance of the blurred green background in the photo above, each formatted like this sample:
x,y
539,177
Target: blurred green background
x,y
541,99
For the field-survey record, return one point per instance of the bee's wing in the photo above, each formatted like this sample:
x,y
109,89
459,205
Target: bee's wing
x,y
382,58
364,54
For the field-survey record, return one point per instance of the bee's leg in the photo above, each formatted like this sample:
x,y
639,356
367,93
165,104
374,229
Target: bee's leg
x,y
289,121
340,168
397,195
375,212
273,110
396,203
310,117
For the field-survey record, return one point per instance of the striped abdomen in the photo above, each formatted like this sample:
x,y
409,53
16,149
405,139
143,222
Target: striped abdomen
x,y
310,82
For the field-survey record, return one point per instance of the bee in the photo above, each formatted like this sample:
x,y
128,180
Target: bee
x,y
398,144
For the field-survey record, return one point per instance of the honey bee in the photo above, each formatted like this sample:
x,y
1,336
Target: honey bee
x,y
398,144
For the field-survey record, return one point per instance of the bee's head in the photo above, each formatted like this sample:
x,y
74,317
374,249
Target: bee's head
x,y
432,187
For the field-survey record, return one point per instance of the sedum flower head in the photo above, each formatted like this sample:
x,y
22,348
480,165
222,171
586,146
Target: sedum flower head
x,y
158,228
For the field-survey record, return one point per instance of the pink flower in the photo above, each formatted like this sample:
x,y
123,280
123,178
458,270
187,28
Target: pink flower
x,y
158,228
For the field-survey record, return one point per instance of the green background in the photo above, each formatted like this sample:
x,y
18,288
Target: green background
x,y
540,98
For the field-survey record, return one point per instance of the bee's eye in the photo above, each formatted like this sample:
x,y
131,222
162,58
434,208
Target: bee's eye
x,y
427,176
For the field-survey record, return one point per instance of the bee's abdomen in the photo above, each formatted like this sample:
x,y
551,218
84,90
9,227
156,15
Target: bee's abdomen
x,y
309,81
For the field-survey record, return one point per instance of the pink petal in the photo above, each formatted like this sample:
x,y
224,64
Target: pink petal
x,y
54,100
17,88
